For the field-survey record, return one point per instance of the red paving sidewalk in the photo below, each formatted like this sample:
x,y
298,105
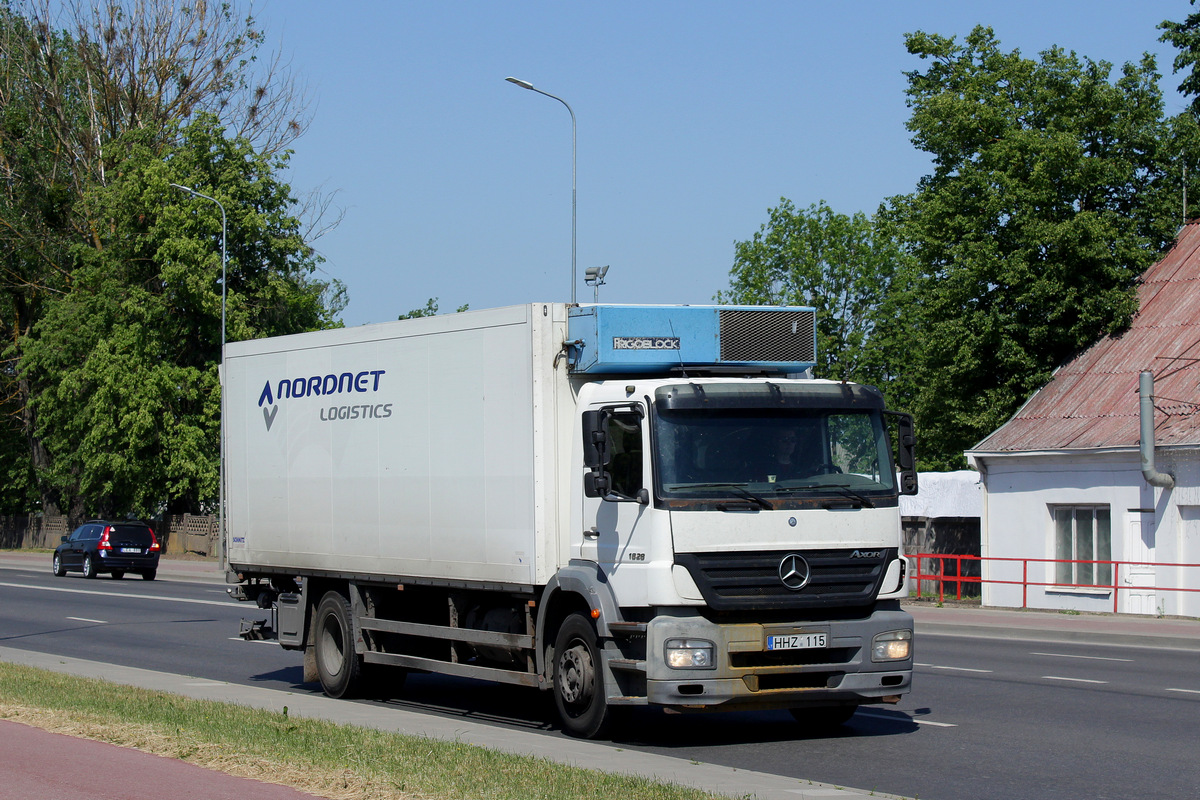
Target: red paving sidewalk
x,y
38,765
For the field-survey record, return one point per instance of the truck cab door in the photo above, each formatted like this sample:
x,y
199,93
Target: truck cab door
x,y
616,496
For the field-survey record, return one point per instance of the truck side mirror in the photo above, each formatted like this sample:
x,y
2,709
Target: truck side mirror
x,y
906,452
595,439
596,484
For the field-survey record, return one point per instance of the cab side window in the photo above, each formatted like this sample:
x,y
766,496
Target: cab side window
x,y
624,436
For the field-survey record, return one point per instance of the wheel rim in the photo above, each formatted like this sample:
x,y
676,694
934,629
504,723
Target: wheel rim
x,y
57,563
331,650
577,681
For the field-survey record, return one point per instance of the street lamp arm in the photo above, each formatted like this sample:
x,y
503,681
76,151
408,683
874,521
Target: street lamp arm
x,y
224,228
574,163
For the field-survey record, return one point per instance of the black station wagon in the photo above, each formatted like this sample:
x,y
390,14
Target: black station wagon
x,y
113,547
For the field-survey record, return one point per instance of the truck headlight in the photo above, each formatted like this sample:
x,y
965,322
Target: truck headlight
x,y
892,646
690,654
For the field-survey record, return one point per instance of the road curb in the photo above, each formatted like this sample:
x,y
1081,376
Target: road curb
x,y
601,756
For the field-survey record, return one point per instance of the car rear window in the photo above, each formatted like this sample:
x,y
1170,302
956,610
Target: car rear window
x,y
132,534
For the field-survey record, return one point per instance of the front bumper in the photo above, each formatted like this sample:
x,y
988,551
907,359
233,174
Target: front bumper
x,y
747,675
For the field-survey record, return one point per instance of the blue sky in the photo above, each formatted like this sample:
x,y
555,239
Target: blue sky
x,y
694,118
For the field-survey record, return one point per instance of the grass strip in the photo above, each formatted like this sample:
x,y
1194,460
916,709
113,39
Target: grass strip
x,y
336,761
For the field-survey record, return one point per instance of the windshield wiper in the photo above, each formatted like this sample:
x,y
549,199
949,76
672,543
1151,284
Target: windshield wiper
x,y
737,488
843,489
846,491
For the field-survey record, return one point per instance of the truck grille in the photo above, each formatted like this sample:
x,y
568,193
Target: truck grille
x,y
768,335
749,581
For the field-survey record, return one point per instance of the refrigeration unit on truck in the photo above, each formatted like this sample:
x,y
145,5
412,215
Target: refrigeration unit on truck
x,y
624,505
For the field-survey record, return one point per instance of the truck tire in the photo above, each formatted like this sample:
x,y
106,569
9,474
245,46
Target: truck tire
x,y
579,691
338,666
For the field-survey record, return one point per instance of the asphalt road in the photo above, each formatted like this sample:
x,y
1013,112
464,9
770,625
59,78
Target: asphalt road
x,y
987,718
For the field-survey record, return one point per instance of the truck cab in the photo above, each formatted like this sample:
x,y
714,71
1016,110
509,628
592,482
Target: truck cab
x,y
751,526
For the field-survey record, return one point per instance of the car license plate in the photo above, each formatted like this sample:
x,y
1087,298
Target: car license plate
x,y
137,550
797,641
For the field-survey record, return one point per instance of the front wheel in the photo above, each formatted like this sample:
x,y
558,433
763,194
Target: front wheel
x,y
579,680
338,666
59,569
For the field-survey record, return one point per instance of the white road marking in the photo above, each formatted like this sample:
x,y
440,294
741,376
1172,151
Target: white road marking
x,y
1185,691
1092,658
954,669
120,594
899,716
85,619
1072,680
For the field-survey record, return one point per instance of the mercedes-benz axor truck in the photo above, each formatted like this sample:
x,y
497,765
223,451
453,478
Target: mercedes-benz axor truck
x,y
622,505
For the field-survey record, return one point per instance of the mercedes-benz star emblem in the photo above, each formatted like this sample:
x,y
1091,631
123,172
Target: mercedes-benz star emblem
x,y
793,571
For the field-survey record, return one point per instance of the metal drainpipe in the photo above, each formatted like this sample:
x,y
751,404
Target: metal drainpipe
x,y
1152,475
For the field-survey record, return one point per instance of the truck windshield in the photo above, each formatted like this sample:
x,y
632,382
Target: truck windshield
x,y
817,453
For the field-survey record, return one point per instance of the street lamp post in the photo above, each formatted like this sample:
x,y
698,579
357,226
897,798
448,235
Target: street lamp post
x,y
221,379
574,162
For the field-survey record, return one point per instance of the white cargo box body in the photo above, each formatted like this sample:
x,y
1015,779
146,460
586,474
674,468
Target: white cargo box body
x,y
424,448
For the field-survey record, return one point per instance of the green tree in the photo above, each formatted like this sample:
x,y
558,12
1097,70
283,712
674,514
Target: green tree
x,y
37,197
841,265
1053,187
80,85
127,358
430,310
1185,37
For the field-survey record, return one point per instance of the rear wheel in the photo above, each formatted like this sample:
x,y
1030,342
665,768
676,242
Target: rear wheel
x,y
338,666
59,569
148,574
824,716
579,680
118,574
89,567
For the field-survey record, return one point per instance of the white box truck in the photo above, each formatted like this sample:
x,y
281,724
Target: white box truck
x,y
624,505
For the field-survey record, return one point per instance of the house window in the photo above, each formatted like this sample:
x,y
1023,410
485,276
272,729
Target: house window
x,y
1082,537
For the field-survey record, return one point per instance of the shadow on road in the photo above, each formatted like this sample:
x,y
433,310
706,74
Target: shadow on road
x,y
530,709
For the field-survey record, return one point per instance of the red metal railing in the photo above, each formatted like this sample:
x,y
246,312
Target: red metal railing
x,y
973,565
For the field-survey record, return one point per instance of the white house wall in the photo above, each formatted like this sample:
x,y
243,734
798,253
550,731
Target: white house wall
x,y
1020,492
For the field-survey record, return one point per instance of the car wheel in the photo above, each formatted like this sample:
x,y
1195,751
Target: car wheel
x,y
824,717
118,574
59,569
148,574
579,680
338,666
89,567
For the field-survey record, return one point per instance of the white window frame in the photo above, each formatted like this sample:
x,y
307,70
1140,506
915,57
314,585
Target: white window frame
x,y
1090,541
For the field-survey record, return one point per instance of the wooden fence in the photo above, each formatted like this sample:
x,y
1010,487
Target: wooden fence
x,y
187,533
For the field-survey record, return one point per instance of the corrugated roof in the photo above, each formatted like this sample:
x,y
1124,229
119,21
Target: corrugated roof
x,y
1092,402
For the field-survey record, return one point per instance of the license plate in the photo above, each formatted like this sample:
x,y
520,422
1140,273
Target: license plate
x,y
797,641
137,550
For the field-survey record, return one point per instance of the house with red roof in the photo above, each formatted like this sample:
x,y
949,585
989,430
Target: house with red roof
x,y
1091,497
